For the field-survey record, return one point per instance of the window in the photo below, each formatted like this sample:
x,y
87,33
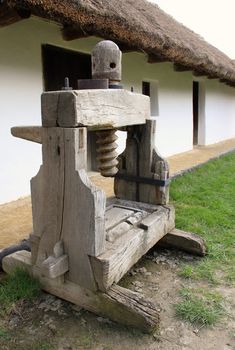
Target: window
x,y
59,63
150,88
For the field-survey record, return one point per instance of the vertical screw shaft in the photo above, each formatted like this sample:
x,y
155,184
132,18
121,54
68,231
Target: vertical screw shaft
x,y
107,156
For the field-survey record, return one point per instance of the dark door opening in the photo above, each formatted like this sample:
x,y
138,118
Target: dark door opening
x,y
195,111
59,63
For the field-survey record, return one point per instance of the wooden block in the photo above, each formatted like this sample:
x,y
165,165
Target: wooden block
x,y
126,250
83,108
58,212
115,215
187,241
30,133
54,267
119,304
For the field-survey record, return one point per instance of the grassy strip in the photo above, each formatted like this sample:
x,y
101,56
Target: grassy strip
x,y
17,287
200,307
205,204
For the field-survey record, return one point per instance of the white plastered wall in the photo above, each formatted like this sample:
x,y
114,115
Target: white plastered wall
x,y
174,120
219,112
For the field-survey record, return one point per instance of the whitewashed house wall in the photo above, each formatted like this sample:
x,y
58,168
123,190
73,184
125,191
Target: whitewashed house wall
x,y
22,83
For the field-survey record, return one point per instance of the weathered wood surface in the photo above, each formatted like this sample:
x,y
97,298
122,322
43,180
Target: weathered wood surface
x,y
96,109
141,160
66,205
187,241
30,133
119,304
23,245
127,249
107,61
56,265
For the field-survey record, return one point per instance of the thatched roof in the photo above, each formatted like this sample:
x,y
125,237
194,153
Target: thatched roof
x,y
136,24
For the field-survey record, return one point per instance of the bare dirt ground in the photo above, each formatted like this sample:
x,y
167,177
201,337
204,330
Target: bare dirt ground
x,y
50,320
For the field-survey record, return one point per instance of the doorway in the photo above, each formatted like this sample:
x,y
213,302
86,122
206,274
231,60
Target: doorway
x,y
195,112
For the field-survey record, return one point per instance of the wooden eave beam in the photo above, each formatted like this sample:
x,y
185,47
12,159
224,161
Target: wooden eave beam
x,y
71,33
9,16
181,68
199,74
157,59
210,77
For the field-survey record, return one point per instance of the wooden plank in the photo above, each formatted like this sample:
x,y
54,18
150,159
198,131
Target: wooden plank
x,y
58,213
120,256
187,241
116,215
83,231
140,159
47,189
119,304
30,133
83,108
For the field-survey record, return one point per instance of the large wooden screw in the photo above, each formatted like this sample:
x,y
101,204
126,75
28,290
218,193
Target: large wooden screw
x,y
106,64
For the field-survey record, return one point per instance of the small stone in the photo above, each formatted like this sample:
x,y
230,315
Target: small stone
x,y
103,320
138,284
148,273
52,327
141,270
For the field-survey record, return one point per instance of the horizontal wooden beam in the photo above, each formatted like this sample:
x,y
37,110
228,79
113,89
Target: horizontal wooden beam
x,y
71,33
186,241
199,73
210,77
119,304
9,16
181,68
157,59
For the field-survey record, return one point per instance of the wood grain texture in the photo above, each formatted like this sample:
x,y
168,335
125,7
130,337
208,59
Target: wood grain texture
x,y
127,249
140,159
186,241
66,205
97,109
119,304
29,133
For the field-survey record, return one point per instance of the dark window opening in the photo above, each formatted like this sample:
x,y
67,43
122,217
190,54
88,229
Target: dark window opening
x,y
59,63
195,111
146,88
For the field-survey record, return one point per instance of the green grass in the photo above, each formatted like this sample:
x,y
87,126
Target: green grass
x,y
17,287
4,334
200,307
205,204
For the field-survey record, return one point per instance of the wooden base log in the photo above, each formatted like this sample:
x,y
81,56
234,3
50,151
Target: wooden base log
x,y
187,241
23,245
119,304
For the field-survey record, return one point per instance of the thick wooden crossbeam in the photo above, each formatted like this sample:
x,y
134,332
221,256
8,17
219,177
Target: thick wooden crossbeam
x,y
181,68
29,133
119,304
186,241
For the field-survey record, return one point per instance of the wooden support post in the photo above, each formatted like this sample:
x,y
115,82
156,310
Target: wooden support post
x,y
119,304
139,163
66,205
